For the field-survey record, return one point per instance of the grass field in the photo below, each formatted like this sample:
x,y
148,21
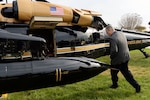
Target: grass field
x,y
97,88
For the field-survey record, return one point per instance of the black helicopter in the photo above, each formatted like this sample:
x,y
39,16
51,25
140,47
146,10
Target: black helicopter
x,y
28,60
53,45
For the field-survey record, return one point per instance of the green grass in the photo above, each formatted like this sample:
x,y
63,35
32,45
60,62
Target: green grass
x,y
97,88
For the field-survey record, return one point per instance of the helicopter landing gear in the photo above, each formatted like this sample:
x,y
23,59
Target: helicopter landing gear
x,y
144,53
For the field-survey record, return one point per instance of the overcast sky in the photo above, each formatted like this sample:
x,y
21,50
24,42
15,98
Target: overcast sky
x,y
111,10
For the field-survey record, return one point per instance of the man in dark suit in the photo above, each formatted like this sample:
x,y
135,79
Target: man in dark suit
x,y
119,54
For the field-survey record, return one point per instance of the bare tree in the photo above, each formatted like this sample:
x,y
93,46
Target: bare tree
x,y
130,21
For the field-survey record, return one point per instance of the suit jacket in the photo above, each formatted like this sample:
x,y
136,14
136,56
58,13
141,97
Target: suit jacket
x,y
119,51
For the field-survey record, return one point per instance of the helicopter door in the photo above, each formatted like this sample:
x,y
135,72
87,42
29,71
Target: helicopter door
x,y
48,35
44,27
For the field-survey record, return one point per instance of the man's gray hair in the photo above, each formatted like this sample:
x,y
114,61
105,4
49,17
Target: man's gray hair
x,y
109,27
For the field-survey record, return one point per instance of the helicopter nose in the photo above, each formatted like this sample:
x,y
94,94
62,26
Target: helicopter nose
x,y
84,68
49,72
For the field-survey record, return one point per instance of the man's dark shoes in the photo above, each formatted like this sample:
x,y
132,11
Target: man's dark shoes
x,y
138,89
114,86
